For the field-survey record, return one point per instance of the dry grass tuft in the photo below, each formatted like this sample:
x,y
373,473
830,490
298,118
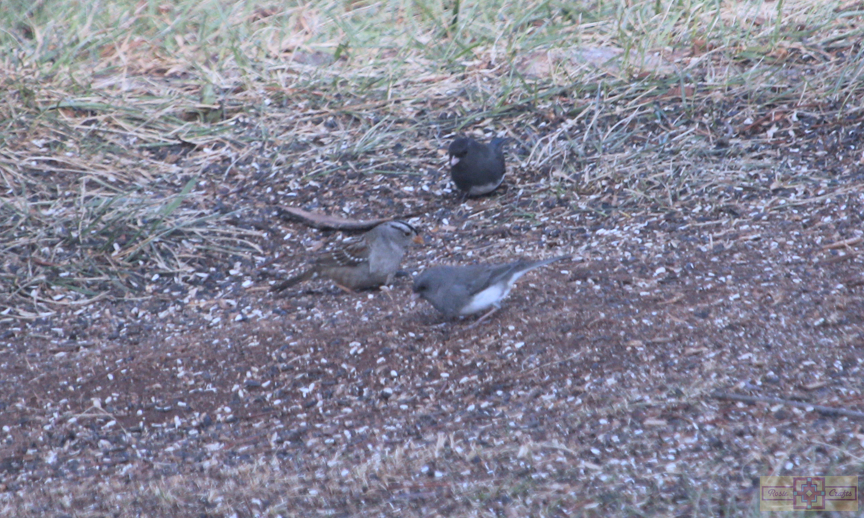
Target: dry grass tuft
x,y
118,120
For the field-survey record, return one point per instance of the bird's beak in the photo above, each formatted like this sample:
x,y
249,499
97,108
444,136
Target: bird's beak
x,y
454,160
418,239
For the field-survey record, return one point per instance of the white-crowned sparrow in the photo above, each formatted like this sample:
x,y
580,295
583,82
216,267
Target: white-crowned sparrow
x,y
370,261
477,168
465,290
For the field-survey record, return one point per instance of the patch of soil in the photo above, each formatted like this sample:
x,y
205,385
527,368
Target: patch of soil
x,y
592,388
593,391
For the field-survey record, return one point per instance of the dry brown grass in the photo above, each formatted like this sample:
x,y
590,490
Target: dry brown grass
x,y
115,116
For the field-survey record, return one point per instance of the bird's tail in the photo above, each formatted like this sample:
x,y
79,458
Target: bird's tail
x,y
520,268
530,265
523,267
297,279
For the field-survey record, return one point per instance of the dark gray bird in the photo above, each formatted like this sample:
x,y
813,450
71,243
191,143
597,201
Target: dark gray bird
x,y
365,263
477,168
465,290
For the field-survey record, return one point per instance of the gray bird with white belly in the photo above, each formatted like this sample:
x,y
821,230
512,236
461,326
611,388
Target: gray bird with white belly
x,y
465,290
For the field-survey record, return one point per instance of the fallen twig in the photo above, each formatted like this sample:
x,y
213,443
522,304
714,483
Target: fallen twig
x,y
844,243
827,410
325,222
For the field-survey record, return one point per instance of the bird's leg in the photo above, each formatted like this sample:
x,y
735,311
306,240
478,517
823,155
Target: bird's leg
x,y
385,289
343,288
484,317
462,198
463,209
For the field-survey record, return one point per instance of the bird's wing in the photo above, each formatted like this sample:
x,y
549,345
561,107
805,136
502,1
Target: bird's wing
x,y
480,277
477,278
517,269
351,254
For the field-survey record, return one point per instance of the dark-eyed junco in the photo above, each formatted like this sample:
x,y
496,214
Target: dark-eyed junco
x,y
477,168
370,261
465,290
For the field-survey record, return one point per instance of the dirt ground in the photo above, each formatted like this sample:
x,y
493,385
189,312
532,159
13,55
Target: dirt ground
x,y
593,392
